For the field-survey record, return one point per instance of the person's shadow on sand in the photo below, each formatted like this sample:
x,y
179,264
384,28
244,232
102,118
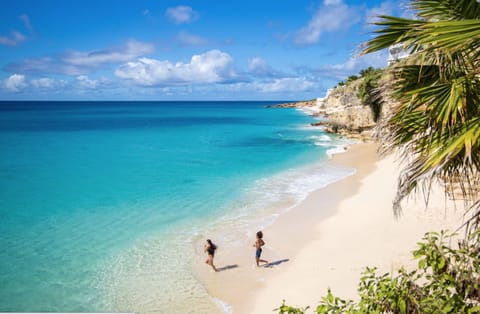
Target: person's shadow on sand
x,y
270,265
227,267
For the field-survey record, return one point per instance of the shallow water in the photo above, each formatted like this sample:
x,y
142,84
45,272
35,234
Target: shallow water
x,y
101,202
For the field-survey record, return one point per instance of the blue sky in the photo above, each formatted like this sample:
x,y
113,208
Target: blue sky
x,y
183,50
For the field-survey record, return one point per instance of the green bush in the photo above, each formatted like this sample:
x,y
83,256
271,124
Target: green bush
x,y
368,92
446,281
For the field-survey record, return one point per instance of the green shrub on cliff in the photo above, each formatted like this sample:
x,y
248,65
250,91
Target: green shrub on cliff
x,y
368,92
447,280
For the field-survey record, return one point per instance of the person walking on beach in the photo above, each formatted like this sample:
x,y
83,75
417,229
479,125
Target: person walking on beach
x,y
258,245
210,248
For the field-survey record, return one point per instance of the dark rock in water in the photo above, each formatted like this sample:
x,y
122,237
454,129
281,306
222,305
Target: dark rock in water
x,y
297,104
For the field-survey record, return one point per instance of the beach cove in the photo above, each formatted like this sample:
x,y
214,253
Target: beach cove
x,y
103,203
330,237
107,207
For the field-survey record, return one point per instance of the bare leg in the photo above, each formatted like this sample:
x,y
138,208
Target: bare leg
x,y
209,261
214,268
258,260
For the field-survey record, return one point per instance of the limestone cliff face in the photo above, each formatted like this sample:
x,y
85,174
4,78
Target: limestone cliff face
x,y
344,111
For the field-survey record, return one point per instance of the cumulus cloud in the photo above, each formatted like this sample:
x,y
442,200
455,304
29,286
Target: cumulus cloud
x,y
354,65
188,39
332,2
15,83
259,68
14,39
288,84
182,14
85,82
48,83
78,62
257,65
214,66
333,15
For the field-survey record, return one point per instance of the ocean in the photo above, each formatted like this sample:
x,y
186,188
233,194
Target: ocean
x,y
101,202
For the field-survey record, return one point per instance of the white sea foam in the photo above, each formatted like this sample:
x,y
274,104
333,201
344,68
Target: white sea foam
x,y
321,138
224,307
162,266
136,277
309,110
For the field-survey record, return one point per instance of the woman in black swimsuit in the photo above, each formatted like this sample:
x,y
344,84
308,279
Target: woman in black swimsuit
x,y
210,250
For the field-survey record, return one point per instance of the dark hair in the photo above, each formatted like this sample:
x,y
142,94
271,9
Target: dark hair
x,y
260,234
213,246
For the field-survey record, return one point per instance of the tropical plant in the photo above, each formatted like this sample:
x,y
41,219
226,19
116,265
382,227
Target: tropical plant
x,y
437,119
447,280
368,91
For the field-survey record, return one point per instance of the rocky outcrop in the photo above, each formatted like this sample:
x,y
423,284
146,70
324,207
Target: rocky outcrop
x,y
342,109
345,113
298,104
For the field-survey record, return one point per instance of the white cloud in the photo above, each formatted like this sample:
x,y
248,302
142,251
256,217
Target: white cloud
x,y
85,82
14,39
188,39
257,64
288,84
26,22
182,14
15,36
130,51
332,16
48,83
214,66
332,2
385,8
258,67
80,63
15,82
354,65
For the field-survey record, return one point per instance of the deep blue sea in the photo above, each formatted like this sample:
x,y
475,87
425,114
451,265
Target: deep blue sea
x,y
100,201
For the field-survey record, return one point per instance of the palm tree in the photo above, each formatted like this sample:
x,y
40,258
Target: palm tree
x,y
437,119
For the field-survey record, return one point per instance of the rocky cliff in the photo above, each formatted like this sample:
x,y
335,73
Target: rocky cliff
x,y
342,110
345,113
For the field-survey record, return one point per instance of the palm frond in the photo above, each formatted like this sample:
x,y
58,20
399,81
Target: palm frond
x,y
448,34
447,9
393,30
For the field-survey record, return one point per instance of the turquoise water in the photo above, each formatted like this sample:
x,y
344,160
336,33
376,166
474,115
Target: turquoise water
x,y
96,196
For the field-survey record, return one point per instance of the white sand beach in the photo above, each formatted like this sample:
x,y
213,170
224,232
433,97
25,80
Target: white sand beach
x,y
328,239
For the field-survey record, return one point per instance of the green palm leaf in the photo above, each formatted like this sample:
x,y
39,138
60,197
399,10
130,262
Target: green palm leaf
x,y
436,121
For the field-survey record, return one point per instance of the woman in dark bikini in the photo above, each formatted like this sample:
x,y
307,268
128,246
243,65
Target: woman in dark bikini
x,y
258,245
210,248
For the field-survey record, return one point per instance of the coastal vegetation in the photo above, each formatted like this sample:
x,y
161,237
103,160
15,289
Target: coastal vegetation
x,y
368,91
446,281
354,106
435,124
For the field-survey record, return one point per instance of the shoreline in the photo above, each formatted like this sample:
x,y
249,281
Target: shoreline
x,y
242,275
322,243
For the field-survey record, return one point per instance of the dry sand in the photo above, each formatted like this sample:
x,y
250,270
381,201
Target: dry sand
x,y
328,239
